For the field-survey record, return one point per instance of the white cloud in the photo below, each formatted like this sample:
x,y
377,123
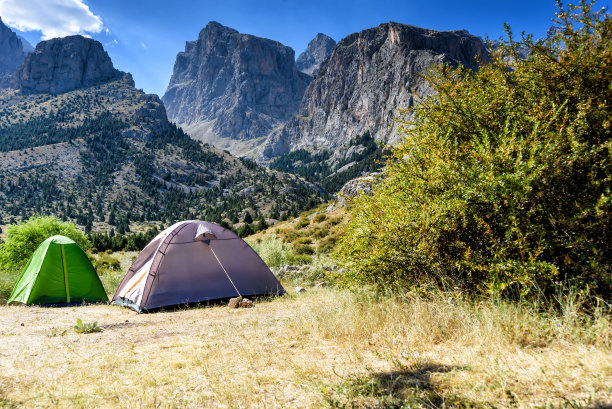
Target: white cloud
x,y
143,45
54,18
111,44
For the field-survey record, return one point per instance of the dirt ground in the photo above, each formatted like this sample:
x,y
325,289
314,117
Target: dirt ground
x,y
323,348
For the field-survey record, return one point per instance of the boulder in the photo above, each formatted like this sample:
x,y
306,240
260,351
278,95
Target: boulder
x,y
234,302
246,303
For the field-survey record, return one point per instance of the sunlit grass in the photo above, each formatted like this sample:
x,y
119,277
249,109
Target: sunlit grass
x,y
323,348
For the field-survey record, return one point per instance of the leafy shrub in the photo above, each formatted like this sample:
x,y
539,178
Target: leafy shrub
x,y
272,251
303,222
327,245
334,221
7,282
320,232
303,240
299,259
106,262
502,184
23,239
303,249
319,218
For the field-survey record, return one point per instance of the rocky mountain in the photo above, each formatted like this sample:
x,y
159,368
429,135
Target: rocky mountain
x,y
12,52
362,84
65,64
231,89
522,51
318,49
81,142
27,47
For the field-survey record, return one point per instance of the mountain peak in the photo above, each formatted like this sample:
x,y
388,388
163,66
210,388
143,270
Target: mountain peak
x,y
318,49
216,27
229,88
12,51
64,64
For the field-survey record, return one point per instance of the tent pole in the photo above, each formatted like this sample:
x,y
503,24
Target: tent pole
x,y
65,274
228,277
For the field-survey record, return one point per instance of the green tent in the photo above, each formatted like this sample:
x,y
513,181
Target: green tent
x,y
58,272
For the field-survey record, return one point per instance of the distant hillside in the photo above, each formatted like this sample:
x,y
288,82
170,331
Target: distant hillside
x,y
105,155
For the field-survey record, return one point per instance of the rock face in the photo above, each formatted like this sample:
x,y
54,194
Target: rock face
x,y
351,189
12,51
318,49
64,64
27,47
368,76
228,88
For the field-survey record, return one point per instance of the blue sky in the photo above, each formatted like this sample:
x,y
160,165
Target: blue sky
x,y
143,37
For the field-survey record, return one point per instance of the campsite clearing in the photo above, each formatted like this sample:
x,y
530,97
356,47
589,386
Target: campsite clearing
x,y
322,348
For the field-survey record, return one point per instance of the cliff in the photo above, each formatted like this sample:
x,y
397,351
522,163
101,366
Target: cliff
x,y
229,88
367,77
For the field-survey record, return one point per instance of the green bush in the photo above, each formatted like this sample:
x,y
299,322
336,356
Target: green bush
x,y
320,232
502,183
272,251
7,282
302,240
319,218
299,259
105,262
327,244
303,222
303,249
23,239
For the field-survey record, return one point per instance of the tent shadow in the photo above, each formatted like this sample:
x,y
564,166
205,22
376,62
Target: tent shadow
x,y
206,304
60,305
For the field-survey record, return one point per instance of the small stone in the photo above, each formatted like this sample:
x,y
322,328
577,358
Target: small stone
x,y
234,302
246,303
22,324
300,290
321,284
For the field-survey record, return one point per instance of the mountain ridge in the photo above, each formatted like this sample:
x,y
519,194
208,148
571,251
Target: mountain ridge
x,y
369,75
12,53
104,155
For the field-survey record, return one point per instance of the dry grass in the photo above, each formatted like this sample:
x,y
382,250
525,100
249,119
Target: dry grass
x,y
323,348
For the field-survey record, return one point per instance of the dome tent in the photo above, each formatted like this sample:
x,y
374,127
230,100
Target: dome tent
x,y
194,261
58,272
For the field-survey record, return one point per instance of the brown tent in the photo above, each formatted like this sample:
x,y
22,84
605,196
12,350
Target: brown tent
x,y
194,261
